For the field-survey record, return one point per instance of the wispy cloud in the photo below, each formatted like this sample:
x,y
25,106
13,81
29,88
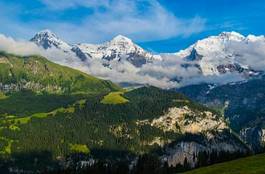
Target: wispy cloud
x,y
65,4
141,20
19,47
25,48
250,53
147,22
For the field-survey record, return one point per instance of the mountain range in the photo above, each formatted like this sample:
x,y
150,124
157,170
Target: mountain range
x,y
209,58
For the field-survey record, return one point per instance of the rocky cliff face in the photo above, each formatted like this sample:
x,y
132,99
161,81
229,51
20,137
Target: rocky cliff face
x,y
254,137
204,135
204,149
209,132
263,137
184,120
28,85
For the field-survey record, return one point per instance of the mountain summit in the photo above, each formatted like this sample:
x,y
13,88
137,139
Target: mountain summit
x,y
118,49
219,54
121,39
48,39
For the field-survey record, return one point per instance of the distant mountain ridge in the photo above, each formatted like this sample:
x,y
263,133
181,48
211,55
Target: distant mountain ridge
x,y
224,54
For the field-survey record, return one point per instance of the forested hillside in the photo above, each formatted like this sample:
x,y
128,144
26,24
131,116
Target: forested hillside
x,y
55,118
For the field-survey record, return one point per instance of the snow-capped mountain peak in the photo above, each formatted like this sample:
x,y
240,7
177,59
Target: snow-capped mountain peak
x,y
217,55
117,49
46,33
253,38
122,45
224,53
231,36
47,39
209,45
121,39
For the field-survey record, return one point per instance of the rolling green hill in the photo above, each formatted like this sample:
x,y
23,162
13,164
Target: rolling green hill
x,y
249,165
33,84
40,75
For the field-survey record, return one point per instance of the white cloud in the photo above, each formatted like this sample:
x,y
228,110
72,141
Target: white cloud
x,y
124,72
65,4
10,45
250,53
25,48
140,20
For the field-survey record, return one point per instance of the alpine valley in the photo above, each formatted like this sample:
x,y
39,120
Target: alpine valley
x,y
117,108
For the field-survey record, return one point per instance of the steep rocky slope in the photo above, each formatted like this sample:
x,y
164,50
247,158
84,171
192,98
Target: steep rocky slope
x,y
242,104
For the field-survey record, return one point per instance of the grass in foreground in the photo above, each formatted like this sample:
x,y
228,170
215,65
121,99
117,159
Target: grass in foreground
x,y
249,165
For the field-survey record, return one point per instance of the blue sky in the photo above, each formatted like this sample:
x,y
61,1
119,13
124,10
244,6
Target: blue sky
x,y
157,25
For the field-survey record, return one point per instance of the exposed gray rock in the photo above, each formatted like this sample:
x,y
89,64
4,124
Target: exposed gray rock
x,y
254,137
189,151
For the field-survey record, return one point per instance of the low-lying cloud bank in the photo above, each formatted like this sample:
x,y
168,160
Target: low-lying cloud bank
x,y
26,48
250,53
168,73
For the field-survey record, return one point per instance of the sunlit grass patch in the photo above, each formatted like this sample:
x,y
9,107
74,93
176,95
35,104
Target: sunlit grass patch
x,y
23,120
3,96
114,98
79,148
5,145
14,128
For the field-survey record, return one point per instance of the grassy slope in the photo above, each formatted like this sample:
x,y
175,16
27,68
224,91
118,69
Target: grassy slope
x,y
49,85
40,89
114,98
51,76
249,165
